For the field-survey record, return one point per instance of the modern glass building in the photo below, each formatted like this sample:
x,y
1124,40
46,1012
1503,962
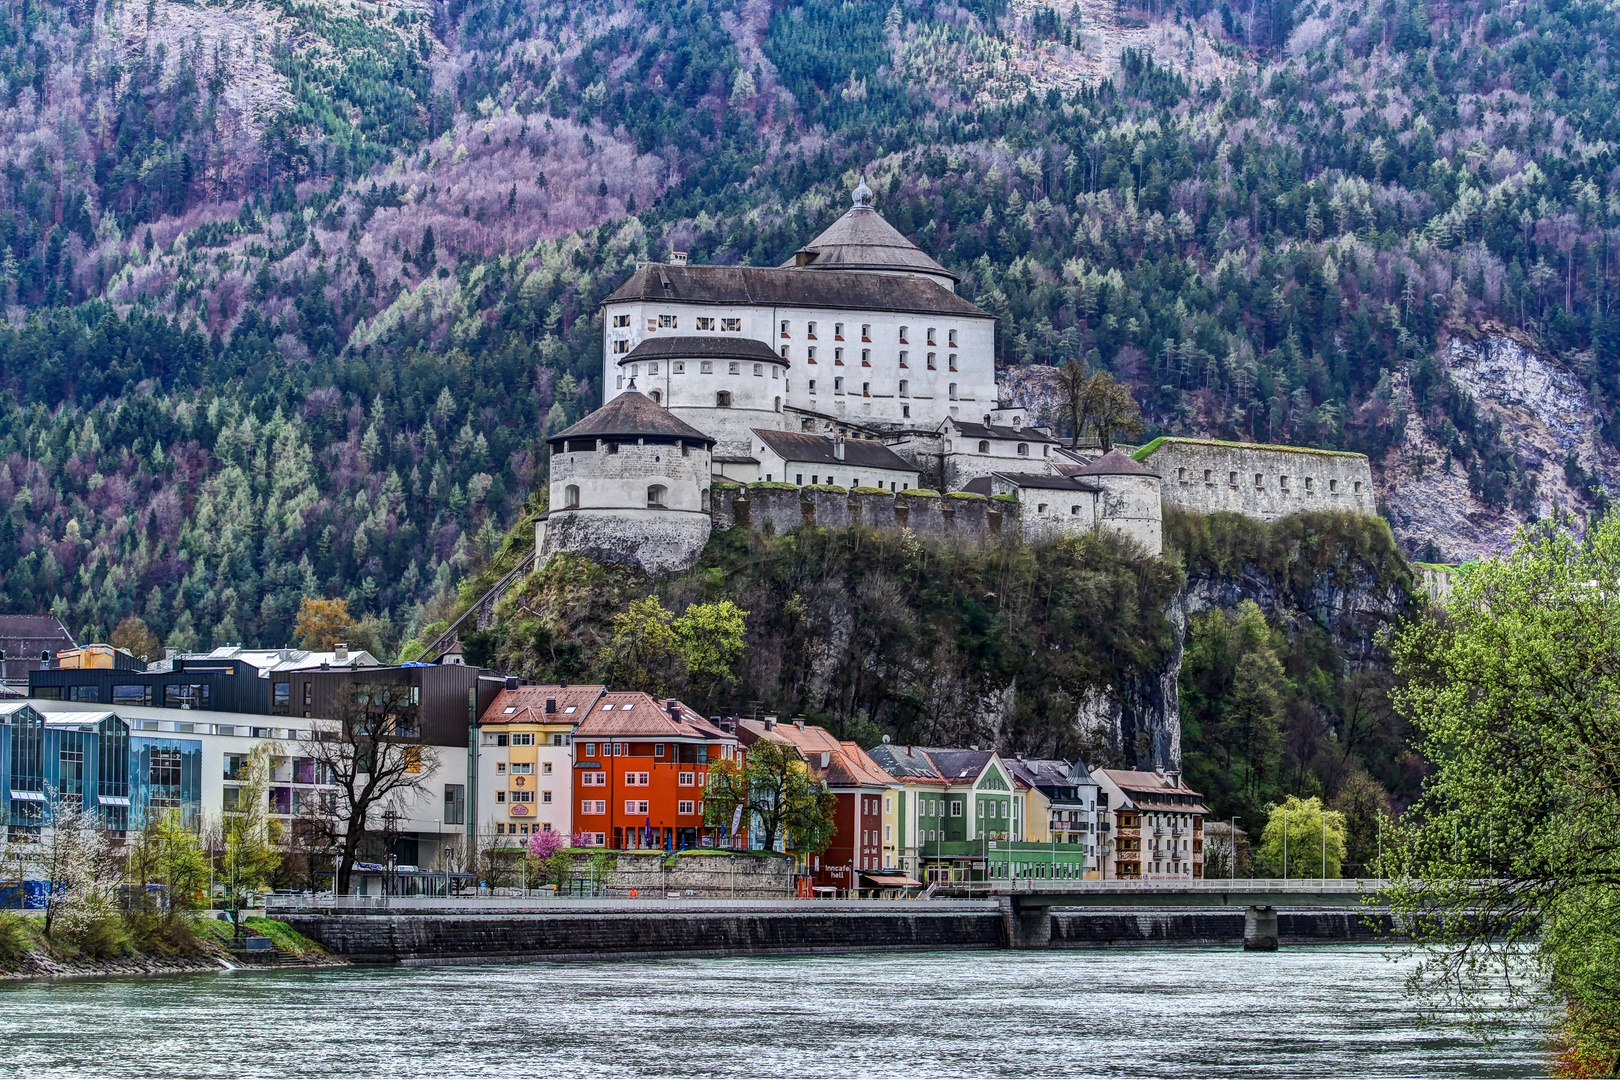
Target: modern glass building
x,y
121,779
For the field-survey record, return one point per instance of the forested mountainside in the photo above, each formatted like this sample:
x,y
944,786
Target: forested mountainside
x,y
294,290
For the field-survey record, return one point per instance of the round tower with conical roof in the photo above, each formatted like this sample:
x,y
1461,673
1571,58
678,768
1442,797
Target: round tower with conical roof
x,y
629,484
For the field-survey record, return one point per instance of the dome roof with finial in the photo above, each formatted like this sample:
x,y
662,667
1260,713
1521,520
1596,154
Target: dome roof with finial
x,y
862,240
630,415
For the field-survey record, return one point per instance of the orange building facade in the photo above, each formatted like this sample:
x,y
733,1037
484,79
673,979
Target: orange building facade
x,y
640,769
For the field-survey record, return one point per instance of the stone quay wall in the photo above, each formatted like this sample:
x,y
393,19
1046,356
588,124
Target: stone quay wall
x,y
757,877
1081,928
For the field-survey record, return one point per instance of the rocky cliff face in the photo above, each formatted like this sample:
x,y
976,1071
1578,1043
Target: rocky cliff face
x,y
1546,416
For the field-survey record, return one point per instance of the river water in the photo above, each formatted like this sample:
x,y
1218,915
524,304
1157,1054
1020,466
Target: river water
x,y
1323,1011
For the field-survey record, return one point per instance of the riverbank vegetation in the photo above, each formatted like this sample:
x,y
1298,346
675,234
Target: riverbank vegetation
x,y
1510,861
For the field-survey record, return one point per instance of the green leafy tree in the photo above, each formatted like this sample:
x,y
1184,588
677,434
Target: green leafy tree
x,y
778,796
710,638
168,854
1311,831
1511,858
250,837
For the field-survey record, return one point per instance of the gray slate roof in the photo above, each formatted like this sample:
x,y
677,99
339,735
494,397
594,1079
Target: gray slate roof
x,y
862,240
765,287
904,762
1046,482
632,415
1113,463
701,348
1001,431
818,450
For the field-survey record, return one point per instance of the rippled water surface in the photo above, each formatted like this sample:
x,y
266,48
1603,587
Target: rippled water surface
x,y
1301,1012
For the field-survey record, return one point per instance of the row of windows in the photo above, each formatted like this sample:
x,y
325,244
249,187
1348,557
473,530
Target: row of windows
x,y
656,494
521,796
1283,482
931,335
619,749
522,768
673,322
638,806
815,478
931,360
866,389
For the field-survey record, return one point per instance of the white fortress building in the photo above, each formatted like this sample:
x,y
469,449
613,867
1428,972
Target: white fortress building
x,y
856,366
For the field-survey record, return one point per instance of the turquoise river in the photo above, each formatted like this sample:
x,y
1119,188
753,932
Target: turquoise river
x,y
1184,1012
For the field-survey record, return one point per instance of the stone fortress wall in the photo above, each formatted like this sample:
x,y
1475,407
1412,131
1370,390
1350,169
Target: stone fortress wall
x,y
612,519
1267,482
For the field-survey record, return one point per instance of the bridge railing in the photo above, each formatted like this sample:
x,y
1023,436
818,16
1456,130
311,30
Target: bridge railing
x,y
1347,886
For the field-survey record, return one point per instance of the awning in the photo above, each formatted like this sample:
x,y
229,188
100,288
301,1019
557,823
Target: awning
x,y
892,881
28,796
113,800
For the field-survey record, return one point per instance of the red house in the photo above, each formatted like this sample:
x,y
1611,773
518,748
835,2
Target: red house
x,y
640,768
854,858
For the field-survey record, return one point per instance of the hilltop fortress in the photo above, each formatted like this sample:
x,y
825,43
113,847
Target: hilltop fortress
x,y
852,384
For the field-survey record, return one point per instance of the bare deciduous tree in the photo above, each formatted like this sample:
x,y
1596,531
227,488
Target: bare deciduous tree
x,y
373,757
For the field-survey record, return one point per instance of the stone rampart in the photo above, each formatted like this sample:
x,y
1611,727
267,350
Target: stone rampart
x,y
778,508
1206,476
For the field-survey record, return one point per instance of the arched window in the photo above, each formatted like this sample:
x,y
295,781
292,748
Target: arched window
x,y
984,446
904,388
571,496
952,391
657,397
778,404
722,399
655,496
1023,449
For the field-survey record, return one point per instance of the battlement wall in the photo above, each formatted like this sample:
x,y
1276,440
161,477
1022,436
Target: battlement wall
x,y
1204,476
780,508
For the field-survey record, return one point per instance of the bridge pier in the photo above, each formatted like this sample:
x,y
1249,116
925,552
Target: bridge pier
x,y
1028,926
1260,929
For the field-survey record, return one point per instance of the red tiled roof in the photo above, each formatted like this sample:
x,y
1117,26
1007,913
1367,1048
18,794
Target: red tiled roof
x,y
527,705
631,714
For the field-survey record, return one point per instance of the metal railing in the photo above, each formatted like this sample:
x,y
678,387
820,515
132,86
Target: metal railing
x,y
1347,886
649,901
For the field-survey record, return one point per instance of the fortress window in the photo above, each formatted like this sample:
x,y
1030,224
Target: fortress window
x,y
1308,483
666,321
904,356
734,368
952,391
984,446
838,357
930,335
686,449
1075,510
759,370
784,328
776,372
951,360
732,325
784,354
1181,475
571,497
621,382
706,367
621,347
866,331
866,389
1259,481
722,400
866,358
678,367
1046,451
904,388
652,368
798,478
657,397
1232,479
1040,508
1358,487
931,361
779,404
903,336
621,320
1209,476
905,411
950,338
655,496
812,386
810,330
810,354
705,324
635,369
1023,449
838,385
611,447
838,331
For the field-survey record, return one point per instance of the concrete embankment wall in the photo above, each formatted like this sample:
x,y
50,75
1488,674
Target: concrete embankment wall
x,y
436,938
1082,928
418,939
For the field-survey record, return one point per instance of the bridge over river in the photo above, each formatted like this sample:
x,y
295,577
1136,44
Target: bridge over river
x,y
1029,902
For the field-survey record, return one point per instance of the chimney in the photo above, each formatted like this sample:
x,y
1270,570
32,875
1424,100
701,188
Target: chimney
x,y
799,723
838,448
562,685
1018,423
770,723
340,650
674,709
677,258
511,682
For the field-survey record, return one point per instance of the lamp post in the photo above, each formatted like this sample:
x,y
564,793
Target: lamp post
x,y
1285,847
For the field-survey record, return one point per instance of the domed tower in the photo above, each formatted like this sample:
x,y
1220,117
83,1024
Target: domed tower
x,y
1130,502
629,484
861,240
725,386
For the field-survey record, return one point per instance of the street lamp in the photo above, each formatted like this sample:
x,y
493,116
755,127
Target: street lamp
x,y
1285,847
1232,864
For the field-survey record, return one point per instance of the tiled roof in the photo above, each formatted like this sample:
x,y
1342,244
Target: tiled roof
x,y
847,764
633,715
1001,431
863,240
1113,463
527,705
818,450
959,765
629,415
1046,482
906,762
1154,785
757,286
734,347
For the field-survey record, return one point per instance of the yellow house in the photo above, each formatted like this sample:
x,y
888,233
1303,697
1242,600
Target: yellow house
x,y
525,761
87,657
